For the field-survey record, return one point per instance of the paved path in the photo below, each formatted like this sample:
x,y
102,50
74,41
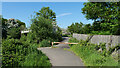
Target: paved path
x,y
60,57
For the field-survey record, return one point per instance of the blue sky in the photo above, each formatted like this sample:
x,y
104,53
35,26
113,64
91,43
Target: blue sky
x,y
66,12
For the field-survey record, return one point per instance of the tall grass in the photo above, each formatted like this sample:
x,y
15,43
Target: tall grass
x,y
90,56
17,53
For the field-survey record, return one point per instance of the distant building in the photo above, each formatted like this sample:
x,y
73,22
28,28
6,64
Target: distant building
x,y
25,32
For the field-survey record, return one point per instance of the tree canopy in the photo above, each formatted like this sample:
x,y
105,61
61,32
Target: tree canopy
x,y
12,28
43,26
47,13
107,12
106,16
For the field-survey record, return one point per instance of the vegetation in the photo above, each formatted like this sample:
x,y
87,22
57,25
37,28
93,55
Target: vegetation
x,y
45,43
91,56
105,16
44,27
95,28
47,13
20,53
21,50
14,33
12,28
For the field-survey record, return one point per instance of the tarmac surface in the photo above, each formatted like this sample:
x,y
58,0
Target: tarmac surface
x,y
60,57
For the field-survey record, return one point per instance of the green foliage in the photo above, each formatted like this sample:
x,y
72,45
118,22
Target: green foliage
x,y
76,28
72,40
105,16
45,43
112,49
14,33
18,53
20,50
64,35
12,29
102,11
90,55
37,60
21,23
4,28
96,28
43,29
46,13
13,52
101,32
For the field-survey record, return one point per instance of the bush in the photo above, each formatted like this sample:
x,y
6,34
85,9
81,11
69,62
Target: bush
x,y
64,35
101,32
45,43
18,53
14,33
72,40
36,59
13,52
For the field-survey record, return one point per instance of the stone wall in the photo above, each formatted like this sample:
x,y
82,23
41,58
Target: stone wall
x,y
110,40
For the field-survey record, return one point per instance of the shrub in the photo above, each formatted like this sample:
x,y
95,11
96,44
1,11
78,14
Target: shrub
x,y
18,53
36,59
14,33
13,52
101,32
45,43
64,35
72,40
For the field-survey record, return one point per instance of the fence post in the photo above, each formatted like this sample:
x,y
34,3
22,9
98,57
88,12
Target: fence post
x,y
52,44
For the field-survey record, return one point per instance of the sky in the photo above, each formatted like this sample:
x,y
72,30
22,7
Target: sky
x,y
66,12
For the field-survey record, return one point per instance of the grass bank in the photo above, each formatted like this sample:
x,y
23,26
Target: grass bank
x,y
90,55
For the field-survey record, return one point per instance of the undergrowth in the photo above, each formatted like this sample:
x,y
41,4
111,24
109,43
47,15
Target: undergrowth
x,y
90,55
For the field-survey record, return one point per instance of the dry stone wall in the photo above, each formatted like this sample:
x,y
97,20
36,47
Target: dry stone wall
x,y
110,40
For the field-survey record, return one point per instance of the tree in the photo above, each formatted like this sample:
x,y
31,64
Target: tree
x,y
21,25
4,28
41,29
103,12
44,26
14,33
76,27
87,29
47,13
12,28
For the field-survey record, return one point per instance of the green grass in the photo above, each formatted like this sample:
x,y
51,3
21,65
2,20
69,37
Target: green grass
x,y
16,53
37,59
90,56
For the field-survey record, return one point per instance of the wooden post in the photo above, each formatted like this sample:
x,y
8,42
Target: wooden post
x,y
52,44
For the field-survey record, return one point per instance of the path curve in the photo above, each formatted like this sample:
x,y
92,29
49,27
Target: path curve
x,y
60,57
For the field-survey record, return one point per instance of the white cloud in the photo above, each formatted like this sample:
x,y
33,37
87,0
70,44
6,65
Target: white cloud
x,y
64,14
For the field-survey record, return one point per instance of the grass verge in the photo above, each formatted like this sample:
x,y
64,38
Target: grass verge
x,y
90,56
